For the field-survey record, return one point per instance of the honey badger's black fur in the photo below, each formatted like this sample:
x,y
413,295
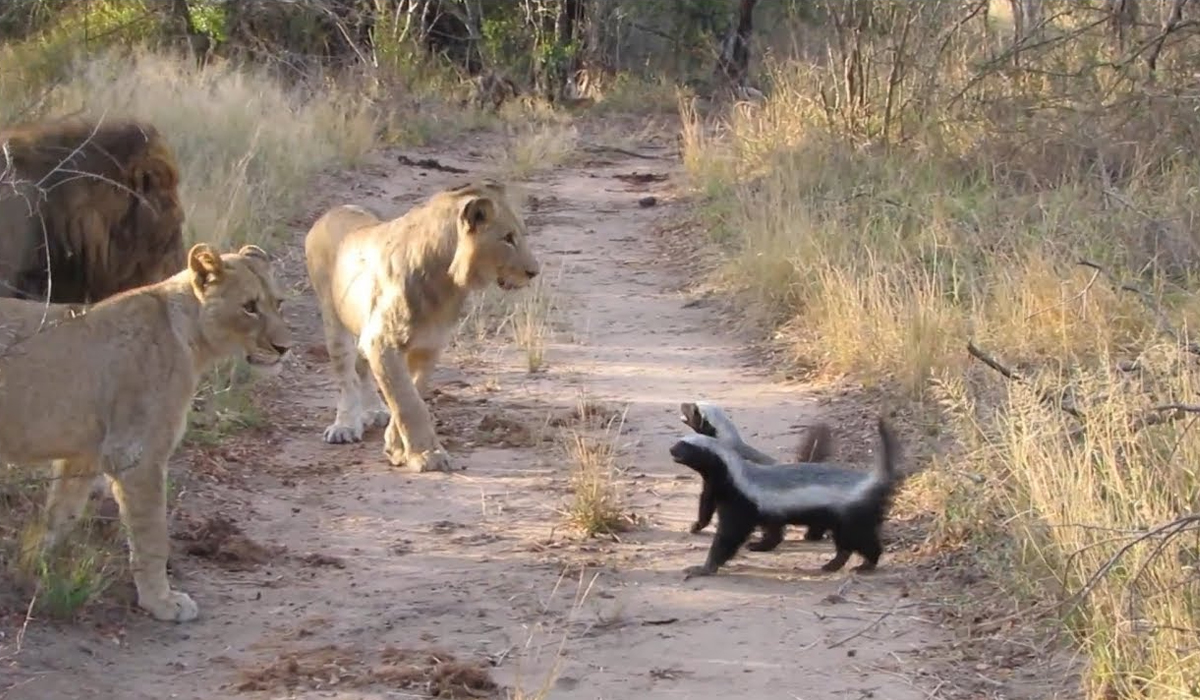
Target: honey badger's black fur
x,y
748,495
709,419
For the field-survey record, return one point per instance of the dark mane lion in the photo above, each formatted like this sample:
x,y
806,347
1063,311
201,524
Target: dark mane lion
x,y
107,194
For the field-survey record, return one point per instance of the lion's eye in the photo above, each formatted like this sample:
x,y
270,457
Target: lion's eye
x,y
251,307
511,239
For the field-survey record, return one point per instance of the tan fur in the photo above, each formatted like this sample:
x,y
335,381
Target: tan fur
x,y
390,294
816,445
96,202
109,390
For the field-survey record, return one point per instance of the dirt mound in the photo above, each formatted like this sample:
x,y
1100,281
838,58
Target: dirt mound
x,y
503,431
219,539
432,673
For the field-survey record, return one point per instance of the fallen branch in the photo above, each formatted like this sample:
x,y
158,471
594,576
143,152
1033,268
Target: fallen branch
x,y
1161,415
974,351
427,163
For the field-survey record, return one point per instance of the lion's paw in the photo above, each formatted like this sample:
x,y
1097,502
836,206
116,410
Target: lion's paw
x,y
175,607
377,419
338,434
435,460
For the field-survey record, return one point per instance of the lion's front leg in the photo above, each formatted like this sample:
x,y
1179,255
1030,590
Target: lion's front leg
x,y
375,413
141,493
410,437
421,364
348,424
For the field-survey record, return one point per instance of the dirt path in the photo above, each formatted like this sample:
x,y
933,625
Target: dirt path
x,y
346,557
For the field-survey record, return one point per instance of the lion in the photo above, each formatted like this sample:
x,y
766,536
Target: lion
x,y
107,389
390,295
87,209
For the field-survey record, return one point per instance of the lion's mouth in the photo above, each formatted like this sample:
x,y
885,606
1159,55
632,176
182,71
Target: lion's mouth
x,y
507,285
262,361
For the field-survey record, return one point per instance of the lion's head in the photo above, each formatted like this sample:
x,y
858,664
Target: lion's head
x,y
240,304
492,239
94,202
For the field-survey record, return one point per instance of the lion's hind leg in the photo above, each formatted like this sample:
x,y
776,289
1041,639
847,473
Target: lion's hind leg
x,y
375,413
141,493
347,424
71,482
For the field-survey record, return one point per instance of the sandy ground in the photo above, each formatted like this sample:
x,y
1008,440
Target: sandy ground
x,y
351,580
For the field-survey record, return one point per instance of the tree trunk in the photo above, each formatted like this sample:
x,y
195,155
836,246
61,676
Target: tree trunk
x,y
1123,16
733,61
559,45
198,44
1172,20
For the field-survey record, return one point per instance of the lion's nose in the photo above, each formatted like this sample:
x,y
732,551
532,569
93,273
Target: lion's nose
x,y
281,349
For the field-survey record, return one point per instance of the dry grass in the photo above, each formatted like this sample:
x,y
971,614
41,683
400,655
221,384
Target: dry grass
x,y
597,503
532,321
529,316
883,260
537,139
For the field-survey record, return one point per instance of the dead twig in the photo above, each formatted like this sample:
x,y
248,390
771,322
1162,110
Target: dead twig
x,y
974,351
1167,530
1167,413
872,625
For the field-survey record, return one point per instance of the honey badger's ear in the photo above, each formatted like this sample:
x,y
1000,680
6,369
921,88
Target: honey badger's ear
x,y
691,415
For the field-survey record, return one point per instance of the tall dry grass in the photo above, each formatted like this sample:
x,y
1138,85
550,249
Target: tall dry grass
x,y
948,200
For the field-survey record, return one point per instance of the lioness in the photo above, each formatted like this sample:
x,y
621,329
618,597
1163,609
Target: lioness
x,y
390,293
125,409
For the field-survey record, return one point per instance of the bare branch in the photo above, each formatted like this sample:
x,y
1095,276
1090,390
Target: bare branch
x,y
1045,397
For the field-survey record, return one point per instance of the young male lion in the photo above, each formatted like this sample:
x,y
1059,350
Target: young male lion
x,y
390,293
124,409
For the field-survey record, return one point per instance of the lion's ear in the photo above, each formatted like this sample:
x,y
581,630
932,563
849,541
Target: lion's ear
x,y
205,265
253,251
477,212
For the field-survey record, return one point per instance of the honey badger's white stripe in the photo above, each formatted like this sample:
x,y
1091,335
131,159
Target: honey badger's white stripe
x,y
773,500
728,434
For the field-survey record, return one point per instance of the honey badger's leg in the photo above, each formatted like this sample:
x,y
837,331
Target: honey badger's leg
x,y
708,504
733,528
839,560
772,536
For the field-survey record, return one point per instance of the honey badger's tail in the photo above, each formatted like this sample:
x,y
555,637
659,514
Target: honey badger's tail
x,y
874,497
889,453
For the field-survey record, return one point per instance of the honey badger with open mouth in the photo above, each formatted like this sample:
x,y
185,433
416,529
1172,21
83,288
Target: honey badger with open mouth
x,y
816,448
749,495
